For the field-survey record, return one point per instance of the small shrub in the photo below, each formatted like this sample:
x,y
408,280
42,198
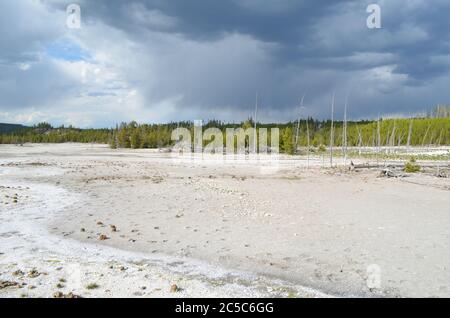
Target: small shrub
x,y
92,286
412,166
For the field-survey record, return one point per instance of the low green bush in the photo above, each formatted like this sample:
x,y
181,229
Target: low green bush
x,y
412,166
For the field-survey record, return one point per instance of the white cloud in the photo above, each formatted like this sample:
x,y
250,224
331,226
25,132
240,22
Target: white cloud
x,y
24,66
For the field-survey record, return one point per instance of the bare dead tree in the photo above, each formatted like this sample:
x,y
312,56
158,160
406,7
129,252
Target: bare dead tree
x,y
430,143
359,141
298,122
426,134
373,139
256,115
392,138
440,137
378,139
386,144
408,142
332,130
399,139
307,136
344,133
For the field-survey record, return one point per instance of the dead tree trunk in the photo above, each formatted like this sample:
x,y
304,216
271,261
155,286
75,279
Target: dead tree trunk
x,y
359,141
307,136
344,133
378,139
255,147
408,143
298,123
425,136
332,130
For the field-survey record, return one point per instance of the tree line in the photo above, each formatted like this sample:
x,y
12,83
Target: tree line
x,y
383,132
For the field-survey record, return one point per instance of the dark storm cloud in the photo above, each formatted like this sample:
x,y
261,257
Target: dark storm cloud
x,y
200,19
320,28
328,42
208,58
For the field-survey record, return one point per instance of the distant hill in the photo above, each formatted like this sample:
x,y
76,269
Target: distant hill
x,y
11,128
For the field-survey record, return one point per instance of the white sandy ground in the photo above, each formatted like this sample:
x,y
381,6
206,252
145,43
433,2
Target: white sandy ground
x,y
214,229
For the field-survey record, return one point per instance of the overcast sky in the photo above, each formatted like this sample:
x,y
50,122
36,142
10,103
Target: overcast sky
x,y
164,60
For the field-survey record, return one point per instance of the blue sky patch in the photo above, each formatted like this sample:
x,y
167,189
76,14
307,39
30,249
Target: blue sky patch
x,y
68,51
